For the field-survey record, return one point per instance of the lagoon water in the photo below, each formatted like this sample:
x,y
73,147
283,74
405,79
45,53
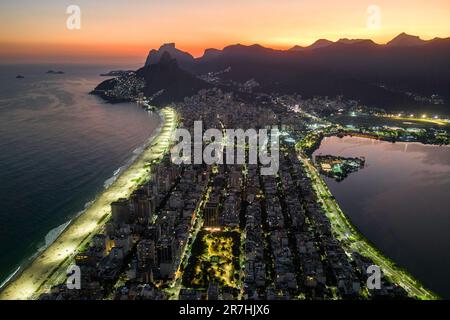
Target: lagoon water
x,y
401,202
59,146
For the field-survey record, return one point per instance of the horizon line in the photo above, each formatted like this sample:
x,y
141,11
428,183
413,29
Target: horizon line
x,y
90,56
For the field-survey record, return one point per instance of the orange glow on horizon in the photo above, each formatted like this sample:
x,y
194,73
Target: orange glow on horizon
x,y
120,30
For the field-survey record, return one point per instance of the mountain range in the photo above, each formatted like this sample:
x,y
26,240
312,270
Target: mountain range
x,y
168,81
185,58
387,76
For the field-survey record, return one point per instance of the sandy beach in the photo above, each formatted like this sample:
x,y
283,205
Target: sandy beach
x,y
49,267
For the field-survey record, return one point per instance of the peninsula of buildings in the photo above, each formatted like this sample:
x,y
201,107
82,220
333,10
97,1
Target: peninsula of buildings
x,y
227,232
197,231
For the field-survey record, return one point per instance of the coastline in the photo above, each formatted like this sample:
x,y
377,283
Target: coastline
x,y
346,230
47,267
26,262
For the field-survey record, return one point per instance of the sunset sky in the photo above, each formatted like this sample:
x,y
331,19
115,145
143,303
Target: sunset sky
x,y
124,30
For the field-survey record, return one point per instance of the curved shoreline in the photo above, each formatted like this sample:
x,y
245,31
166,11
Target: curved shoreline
x,y
343,226
27,261
47,268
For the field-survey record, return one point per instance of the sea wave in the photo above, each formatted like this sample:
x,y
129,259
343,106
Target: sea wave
x,y
54,233
138,150
9,277
111,180
136,153
50,237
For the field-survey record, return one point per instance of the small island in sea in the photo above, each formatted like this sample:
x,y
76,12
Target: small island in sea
x,y
338,168
54,72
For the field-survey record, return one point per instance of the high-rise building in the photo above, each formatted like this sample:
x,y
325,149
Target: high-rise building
x,y
211,214
235,179
165,250
120,211
143,206
165,257
146,253
213,291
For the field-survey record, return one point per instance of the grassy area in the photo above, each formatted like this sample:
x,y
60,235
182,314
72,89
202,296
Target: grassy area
x,y
215,258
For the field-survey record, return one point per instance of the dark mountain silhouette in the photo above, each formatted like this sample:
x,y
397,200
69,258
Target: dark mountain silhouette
x,y
211,53
165,82
297,48
406,40
376,75
168,81
240,50
367,42
321,43
184,59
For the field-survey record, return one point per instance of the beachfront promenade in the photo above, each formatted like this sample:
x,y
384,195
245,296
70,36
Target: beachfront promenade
x,y
49,267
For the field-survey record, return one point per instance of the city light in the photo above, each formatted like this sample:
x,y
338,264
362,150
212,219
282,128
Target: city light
x,y
50,266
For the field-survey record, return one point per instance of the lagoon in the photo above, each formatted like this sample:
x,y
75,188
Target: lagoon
x,y
400,201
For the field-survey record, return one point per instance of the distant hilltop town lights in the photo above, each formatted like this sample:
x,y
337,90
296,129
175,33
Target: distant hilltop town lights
x,y
233,141
412,115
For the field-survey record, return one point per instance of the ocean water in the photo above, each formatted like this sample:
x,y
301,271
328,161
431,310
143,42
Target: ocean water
x,y
59,147
400,201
